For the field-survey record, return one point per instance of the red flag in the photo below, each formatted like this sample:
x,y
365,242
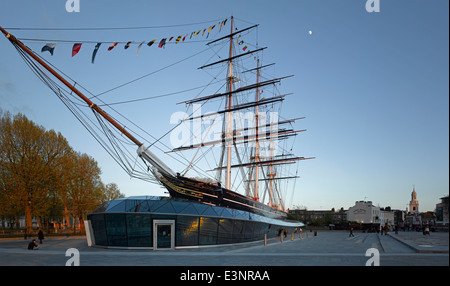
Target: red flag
x,y
76,48
112,46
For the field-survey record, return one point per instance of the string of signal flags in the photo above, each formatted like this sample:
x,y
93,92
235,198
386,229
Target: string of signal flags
x,y
161,43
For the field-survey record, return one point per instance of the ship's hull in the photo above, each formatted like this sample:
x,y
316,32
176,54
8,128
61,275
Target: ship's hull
x,y
186,188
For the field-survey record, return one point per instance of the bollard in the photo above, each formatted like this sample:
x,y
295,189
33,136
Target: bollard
x,y
292,237
281,237
265,239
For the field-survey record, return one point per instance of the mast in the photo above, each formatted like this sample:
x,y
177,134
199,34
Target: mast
x,y
257,141
142,151
229,121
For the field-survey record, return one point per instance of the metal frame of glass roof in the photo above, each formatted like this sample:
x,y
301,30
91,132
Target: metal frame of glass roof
x,y
176,206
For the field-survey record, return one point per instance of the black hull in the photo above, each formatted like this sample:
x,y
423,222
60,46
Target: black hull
x,y
186,188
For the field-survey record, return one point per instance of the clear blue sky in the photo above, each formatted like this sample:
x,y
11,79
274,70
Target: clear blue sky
x,y
373,86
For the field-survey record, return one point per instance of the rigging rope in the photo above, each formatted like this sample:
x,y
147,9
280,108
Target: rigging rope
x,y
111,28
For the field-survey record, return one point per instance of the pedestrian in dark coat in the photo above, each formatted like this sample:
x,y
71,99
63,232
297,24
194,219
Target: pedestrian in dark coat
x,y
40,236
33,245
351,232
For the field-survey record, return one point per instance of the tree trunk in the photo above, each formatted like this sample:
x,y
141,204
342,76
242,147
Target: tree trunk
x,y
28,219
66,215
81,221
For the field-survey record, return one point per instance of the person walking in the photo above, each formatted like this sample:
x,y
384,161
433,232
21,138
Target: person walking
x,y
351,232
40,236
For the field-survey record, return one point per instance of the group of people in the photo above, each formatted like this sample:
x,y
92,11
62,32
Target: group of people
x,y
33,244
386,229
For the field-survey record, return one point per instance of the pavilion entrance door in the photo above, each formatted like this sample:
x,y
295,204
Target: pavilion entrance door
x,y
163,234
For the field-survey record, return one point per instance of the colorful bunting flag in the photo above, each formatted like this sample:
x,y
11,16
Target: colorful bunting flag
x,y
95,51
244,48
139,47
210,29
50,47
162,43
76,48
112,46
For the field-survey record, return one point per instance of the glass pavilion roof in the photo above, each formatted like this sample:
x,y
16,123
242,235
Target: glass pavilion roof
x,y
176,206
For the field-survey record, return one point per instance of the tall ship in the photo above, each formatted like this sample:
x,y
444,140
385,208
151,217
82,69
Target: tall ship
x,y
246,136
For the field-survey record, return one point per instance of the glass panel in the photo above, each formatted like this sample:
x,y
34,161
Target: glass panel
x,y
98,225
153,205
179,206
226,213
209,212
238,228
133,205
189,209
258,228
218,210
200,208
225,231
116,206
144,207
166,208
186,231
116,229
139,230
208,231
248,231
163,236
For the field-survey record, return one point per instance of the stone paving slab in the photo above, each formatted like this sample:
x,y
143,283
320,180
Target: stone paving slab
x,y
435,242
328,248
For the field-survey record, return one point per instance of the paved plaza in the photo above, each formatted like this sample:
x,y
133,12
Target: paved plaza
x,y
328,248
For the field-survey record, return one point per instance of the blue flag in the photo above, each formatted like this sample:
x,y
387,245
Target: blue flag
x,y
95,51
50,47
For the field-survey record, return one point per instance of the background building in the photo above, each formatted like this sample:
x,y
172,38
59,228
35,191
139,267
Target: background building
x,y
364,212
319,217
442,210
414,203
